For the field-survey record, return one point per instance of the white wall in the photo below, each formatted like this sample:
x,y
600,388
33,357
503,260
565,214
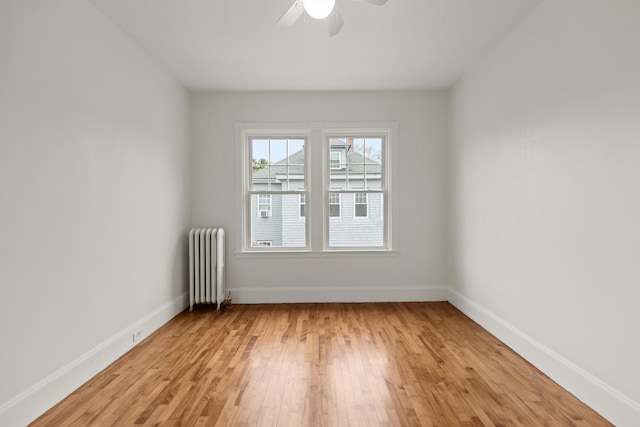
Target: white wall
x,y
545,197
416,272
94,199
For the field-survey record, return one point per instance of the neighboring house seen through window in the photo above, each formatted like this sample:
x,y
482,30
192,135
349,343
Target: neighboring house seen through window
x,y
276,187
361,185
278,190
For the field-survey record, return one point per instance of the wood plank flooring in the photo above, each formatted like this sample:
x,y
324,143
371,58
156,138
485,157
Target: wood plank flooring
x,y
382,364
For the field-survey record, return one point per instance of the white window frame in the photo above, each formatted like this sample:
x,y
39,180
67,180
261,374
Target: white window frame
x,y
247,137
317,184
386,135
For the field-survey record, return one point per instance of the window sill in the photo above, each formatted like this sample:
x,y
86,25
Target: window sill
x,y
327,253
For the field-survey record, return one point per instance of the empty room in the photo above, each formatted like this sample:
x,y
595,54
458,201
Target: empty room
x,y
319,212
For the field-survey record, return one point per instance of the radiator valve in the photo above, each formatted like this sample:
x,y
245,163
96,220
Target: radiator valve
x,y
227,300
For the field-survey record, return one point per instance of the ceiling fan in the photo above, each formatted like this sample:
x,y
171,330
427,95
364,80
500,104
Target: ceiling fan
x,y
318,9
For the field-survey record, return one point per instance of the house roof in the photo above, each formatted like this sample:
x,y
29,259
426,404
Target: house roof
x,y
356,164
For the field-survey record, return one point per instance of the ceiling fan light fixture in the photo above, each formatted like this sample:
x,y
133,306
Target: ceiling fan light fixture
x,y
318,9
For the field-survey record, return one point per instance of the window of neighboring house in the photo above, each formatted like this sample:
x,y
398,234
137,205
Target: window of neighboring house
x,y
351,166
334,205
275,170
335,159
361,205
264,205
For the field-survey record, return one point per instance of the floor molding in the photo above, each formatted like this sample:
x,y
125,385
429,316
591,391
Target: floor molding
x,y
610,403
37,399
338,294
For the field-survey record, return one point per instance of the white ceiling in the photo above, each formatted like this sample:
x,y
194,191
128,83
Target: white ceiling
x,y
231,45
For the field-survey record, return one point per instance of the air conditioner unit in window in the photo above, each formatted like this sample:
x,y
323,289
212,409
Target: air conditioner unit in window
x,y
264,214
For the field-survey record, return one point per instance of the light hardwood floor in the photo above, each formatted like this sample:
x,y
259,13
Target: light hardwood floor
x,y
395,364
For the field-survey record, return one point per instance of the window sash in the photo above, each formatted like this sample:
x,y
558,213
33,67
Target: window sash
x,y
272,163
362,174
284,177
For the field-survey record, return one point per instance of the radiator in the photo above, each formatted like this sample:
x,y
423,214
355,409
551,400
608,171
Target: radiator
x,y
206,266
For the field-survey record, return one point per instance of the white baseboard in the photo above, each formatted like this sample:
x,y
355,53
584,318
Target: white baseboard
x,y
36,400
610,403
338,294
604,399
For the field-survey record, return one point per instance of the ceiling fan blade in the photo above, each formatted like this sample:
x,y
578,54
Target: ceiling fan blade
x,y
292,14
334,23
376,2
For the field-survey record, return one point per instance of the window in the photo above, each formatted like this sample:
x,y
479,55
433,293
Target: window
x,y
344,205
303,204
276,192
361,181
335,159
334,205
361,205
264,205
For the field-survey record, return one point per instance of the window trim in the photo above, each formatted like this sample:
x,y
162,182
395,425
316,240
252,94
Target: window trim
x,y
316,176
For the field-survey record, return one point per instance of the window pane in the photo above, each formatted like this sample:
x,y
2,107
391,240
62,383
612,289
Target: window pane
x,y
295,162
373,150
296,177
283,227
364,163
295,146
362,227
279,178
277,164
277,151
373,177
